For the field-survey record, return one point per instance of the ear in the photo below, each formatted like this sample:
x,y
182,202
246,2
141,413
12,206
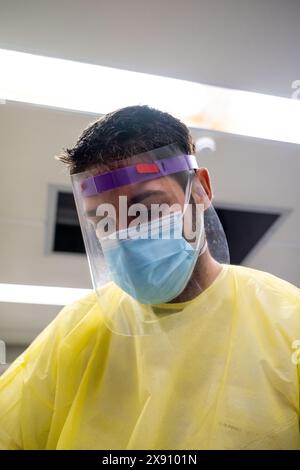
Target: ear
x,y
202,175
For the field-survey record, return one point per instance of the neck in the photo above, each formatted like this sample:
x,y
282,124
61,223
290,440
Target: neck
x,y
205,272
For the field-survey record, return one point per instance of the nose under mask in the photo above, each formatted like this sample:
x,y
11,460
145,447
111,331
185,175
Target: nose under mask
x,y
157,268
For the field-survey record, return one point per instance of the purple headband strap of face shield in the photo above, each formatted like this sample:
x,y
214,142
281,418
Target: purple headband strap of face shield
x,y
137,173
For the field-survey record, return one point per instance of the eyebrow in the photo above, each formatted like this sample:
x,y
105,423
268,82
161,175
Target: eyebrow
x,y
134,200
93,213
141,196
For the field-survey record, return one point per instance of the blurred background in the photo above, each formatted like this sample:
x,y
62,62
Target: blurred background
x,y
253,158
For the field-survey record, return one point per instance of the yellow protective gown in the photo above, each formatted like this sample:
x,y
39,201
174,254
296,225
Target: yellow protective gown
x,y
220,376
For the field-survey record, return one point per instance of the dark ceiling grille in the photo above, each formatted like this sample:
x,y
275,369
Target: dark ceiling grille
x,y
244,229
67,233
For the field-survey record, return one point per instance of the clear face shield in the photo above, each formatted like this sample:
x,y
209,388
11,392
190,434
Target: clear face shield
x,y
146,223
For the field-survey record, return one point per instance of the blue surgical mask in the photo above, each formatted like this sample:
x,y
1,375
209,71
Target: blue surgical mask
x,y
153,270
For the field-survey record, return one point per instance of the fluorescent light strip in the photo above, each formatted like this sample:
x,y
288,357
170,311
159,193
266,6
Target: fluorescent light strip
x,y
96,89
42,295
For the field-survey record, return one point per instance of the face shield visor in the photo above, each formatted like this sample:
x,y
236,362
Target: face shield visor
x,y
146,222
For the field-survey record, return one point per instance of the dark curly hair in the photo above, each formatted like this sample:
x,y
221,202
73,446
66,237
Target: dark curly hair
x,y
123,134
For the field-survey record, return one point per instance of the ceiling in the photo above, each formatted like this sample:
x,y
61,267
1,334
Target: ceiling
x,y
249,45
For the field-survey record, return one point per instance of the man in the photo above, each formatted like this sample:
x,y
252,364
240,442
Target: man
x,y
175,349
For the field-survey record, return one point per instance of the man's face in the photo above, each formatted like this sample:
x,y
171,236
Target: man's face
x,y
164,193
129,205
